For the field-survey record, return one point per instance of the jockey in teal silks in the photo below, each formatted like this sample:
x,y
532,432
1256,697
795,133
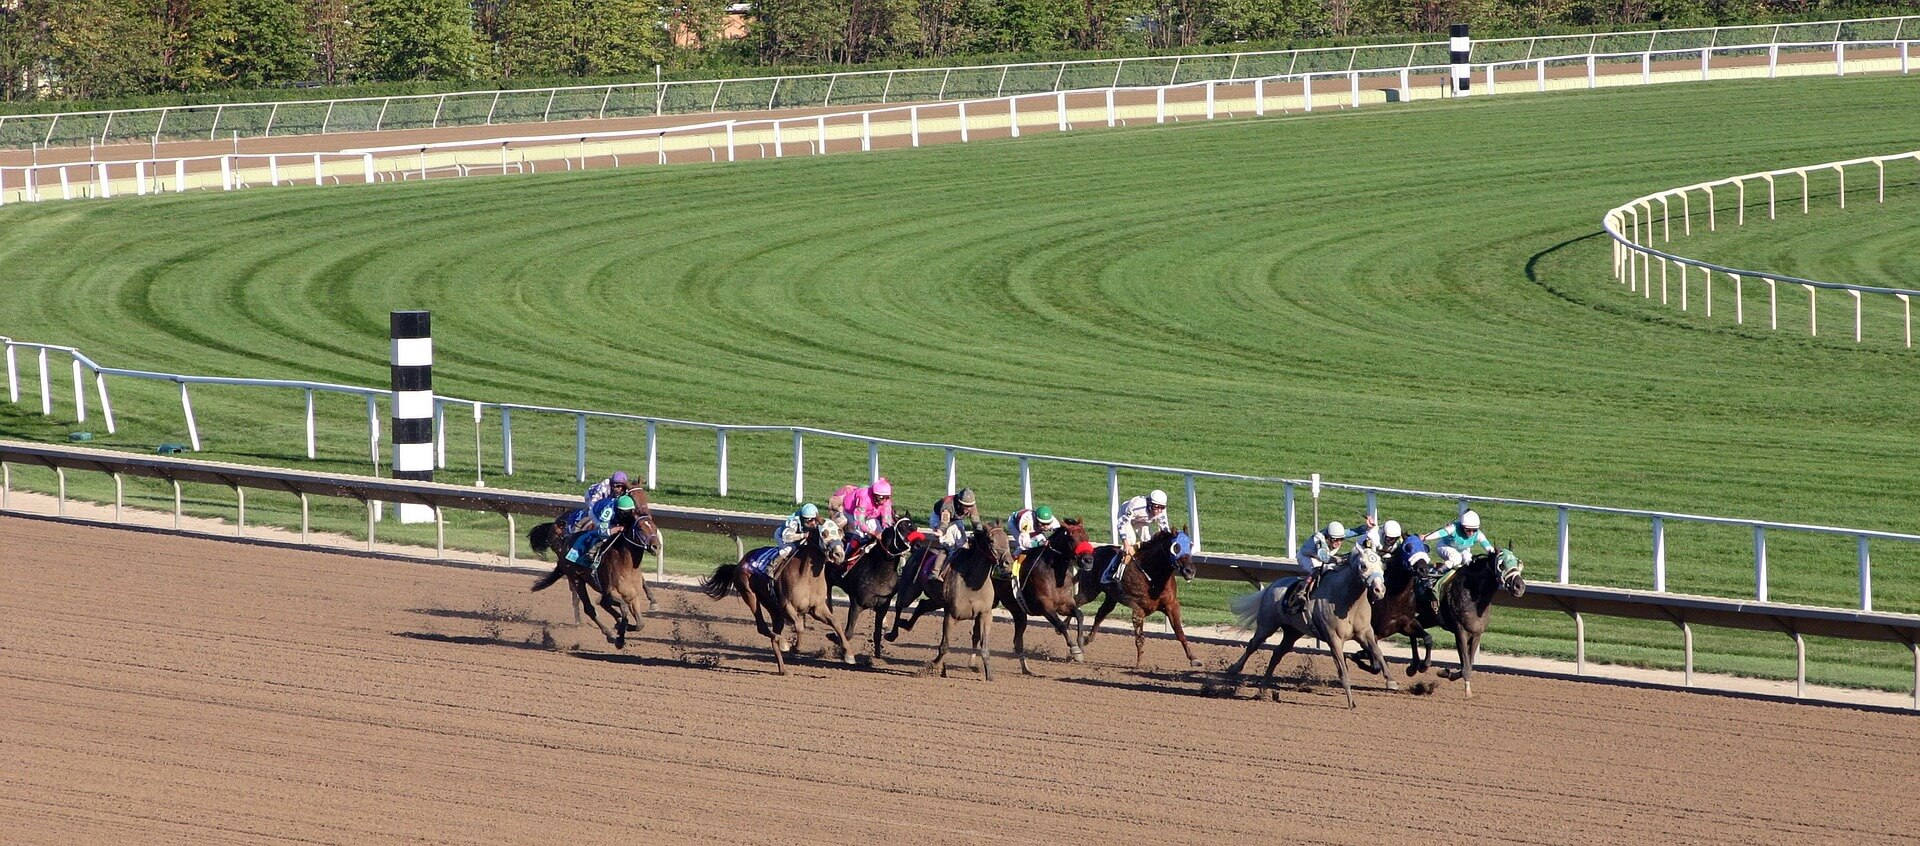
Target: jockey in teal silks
x,y
1454,546
610,517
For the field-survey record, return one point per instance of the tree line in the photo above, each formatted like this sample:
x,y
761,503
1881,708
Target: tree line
x,y
91,49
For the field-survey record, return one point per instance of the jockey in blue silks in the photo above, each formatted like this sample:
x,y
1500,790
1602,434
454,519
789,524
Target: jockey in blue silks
x,y
610,517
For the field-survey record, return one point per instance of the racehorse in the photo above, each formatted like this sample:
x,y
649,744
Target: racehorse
x,y
1146,586
624,582
547,537
1337,611
1398,613
1047,585
800,593
967,593
1467,601
872,577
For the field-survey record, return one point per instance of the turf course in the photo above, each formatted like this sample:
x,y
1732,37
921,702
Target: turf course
x,y
1415,296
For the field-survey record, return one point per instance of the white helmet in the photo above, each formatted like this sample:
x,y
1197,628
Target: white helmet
x,y
1158,497
1335,530
1392,528
1470,520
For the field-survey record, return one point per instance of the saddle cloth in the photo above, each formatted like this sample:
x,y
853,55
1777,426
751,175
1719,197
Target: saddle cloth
x,y
762,558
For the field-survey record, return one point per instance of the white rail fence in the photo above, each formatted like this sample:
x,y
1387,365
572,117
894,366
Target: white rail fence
x,y
1637,224
860,130
1291,490
825,90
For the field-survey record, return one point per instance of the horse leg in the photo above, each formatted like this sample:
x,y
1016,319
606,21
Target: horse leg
x,y
1139,637
853,621
1180,632
1372,645
761,623
1020,642
879,616
980,630
905,599
825,615
1469,647
1279,652
946,634
1100,616
1262,631
1060,625
586,604
1340,666
1422,662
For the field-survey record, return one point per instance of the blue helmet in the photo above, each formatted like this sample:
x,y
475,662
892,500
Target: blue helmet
x,y
809,511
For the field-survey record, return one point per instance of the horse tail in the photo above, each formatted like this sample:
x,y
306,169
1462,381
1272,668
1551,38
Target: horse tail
x,y
1246,607
541,538
547,580
722,581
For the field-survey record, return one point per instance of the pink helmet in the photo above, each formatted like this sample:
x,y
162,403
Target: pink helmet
x,y
882,487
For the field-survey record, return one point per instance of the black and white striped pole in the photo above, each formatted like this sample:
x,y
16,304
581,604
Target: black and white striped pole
x,y
412,360
1459,47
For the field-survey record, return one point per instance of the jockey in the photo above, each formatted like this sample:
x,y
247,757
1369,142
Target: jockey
x,y
1316,555
610,517
869,509
1030,527
1455,544
791,533
953,518
1368,534
612,486
1134,524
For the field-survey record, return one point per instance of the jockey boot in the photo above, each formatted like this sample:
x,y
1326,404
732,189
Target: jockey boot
x,y
1115,569
1297,595
941,559
1427,596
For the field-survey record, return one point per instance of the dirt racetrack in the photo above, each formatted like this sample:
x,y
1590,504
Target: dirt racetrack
x,y
199,691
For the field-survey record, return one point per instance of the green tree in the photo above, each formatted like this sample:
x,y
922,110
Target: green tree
x,y
336,38
419,39
264,42
103,48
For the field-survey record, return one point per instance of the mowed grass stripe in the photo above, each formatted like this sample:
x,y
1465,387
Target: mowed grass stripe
x,y
1415,297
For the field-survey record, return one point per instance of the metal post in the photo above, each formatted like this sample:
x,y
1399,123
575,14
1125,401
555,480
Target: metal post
x,y
80,390
1193,512
1293,534
1565,560
799,468
373,511
513,537
1306,92
240,510
46,386
580,447
1760,563
913,126
952,475
60,502
373,432
653,455
1686,640
1659,556
304,515
311,453
119,497
1026,484
1060,107
176,503
1579,633
193,429
1856,328
720,457
13,374
1113,502
1866,573
1013,116
506,440
1799,665
439,532
1259,101
1159,105
963,121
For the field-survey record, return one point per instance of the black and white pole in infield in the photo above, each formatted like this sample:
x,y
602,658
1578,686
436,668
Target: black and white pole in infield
x,y
1459,47
413,450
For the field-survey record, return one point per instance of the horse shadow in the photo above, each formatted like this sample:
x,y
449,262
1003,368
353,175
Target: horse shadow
x,y
477,640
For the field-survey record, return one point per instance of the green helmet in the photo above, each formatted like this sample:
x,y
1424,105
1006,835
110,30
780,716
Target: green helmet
x,y
624,503
1044,514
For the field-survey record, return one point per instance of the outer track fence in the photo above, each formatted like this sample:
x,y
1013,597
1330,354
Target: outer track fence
x,y
1292,493
1637,224
1796,621
963,120
826,90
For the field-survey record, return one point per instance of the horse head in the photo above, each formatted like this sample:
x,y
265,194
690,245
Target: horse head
x,y
1180,552
643,533
1070,543
1508,564
826,540
1373,572
897,539
992,537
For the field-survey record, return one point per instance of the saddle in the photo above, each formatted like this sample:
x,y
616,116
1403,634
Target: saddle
x,y
760,560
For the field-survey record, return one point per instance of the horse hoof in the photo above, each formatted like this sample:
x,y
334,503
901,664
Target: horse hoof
x,y
848,660
1469,690
893,635
1077,657
1195,662
1393,686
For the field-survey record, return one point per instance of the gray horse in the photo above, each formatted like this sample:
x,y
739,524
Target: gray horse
x,y
1334,613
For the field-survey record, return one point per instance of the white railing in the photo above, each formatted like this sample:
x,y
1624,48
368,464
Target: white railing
x,y
825,90
961,120
1631,226
1289,488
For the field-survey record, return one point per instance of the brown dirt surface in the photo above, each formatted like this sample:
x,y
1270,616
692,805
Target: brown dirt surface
x,y
201,691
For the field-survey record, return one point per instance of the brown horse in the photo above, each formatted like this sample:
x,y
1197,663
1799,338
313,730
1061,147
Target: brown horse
x,y
1048,586
621,582
1147,586
968,593
801,591
1398,613
548,537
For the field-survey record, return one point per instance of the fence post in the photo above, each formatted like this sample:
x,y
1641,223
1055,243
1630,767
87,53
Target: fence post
x,y
1773,304
273,171
1259,101
1813,312
193,429
1906,322
1406,87
1026,484
1839,58
226,173
1013,116
373,432
139,179
653,455
866,135
1540,75
779,146
1659,555
1209,100
963,121
1193,512
1159,105
1856,323
506,440
1760,563
729,140
106,405
80,388
913,126
1060,105
1293,534
46,386
1866,574
873,462
820,129
439,435
1592,79
799,468
13,374
720,457
1646,68
1306,92
580,447
952,476
310,440
1565,559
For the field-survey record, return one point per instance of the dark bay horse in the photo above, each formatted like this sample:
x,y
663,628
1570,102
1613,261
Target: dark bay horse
x,y
547,537
872,575
623,580
1147,586
801,592
1048,585
1398,613
1339,609
1467,603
